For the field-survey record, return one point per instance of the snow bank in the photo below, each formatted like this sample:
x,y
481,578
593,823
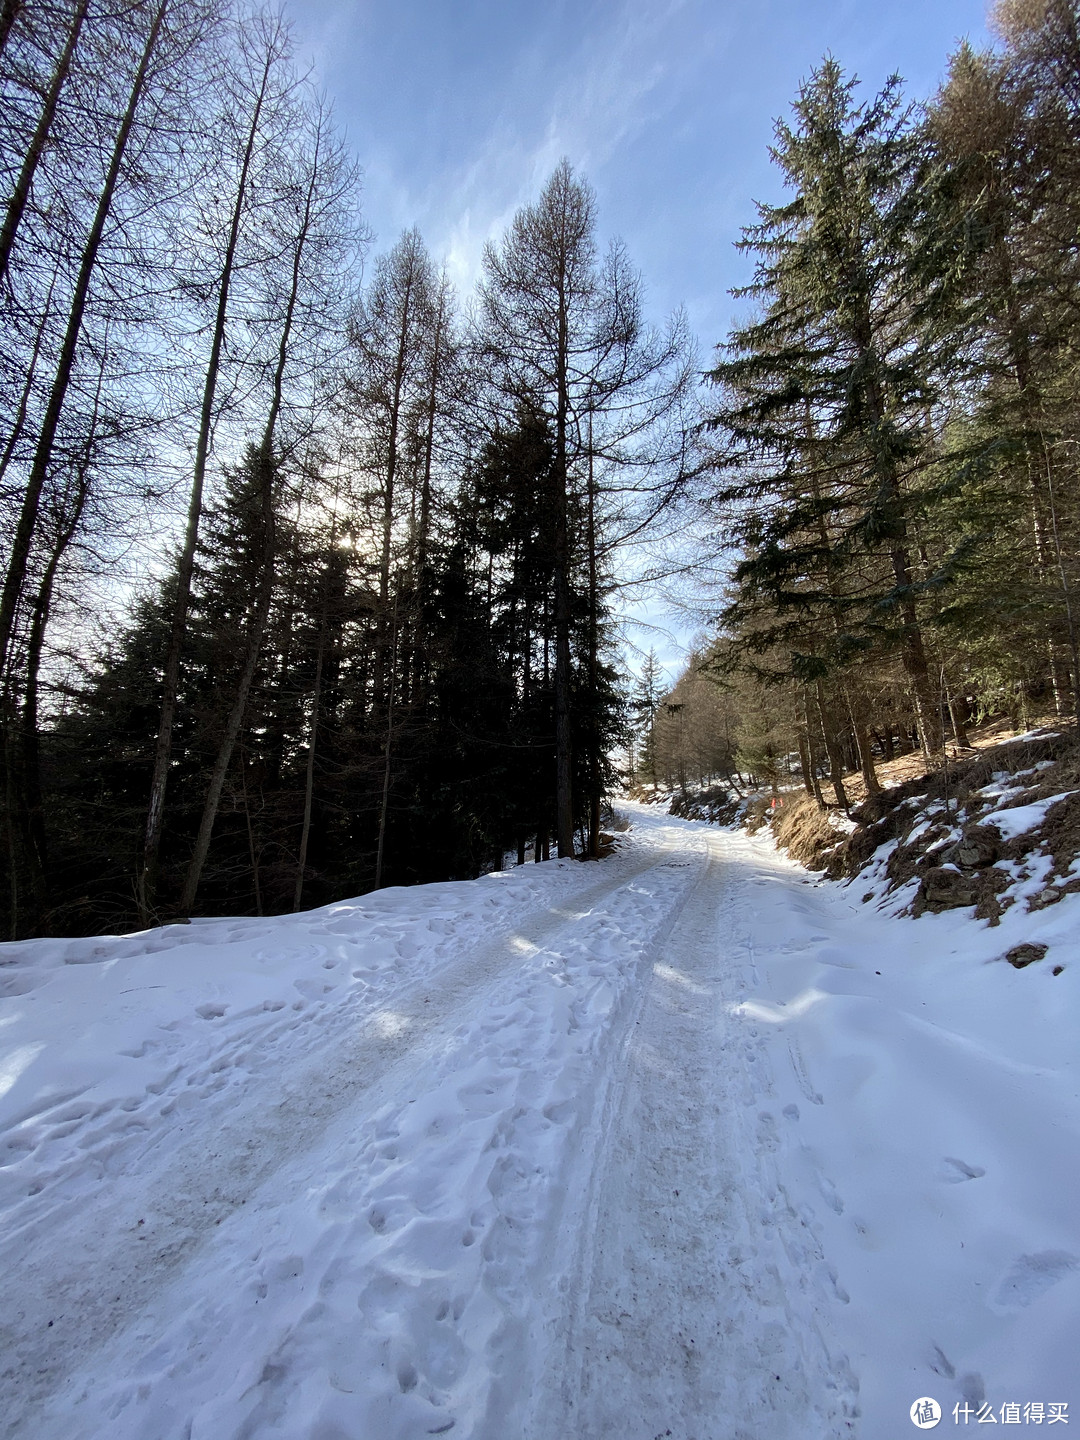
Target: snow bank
x,y
929,1095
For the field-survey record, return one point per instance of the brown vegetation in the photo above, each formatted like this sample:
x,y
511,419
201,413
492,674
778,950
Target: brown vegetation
x,y
942,830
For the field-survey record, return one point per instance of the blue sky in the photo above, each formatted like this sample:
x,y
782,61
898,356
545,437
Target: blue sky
x,y
459,109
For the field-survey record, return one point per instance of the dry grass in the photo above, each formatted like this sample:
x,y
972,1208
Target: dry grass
x,y
805,830
931,806
905,768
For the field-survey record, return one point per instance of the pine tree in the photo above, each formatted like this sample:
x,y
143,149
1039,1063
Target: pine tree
x,y
827,394
645,697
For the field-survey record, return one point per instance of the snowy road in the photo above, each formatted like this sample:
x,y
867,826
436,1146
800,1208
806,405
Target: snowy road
x,y
666,1146
699,1302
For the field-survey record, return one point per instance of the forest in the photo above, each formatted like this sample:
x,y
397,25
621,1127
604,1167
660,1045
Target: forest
x,y
894,432
312,566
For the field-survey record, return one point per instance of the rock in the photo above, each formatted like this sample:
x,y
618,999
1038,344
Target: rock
x,y
1021,955
945,889
978,846
1050,896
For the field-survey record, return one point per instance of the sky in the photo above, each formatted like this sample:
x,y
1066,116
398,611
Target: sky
x,y
458,110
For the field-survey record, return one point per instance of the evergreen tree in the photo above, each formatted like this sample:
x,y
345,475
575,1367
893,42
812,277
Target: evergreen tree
x,y
645,697
828,393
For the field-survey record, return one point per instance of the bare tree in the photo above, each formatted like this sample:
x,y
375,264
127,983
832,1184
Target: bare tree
x,y
16,205
562,329
134,147
310,220
390,388
259,82
10,11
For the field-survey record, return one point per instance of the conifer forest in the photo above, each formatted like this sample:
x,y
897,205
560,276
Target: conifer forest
x,y
314,569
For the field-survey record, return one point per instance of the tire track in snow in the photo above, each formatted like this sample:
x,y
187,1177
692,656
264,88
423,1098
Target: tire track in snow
x,y
696,1302
121,1249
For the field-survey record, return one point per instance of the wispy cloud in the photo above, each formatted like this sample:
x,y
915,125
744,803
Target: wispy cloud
x,y
609,89
582,87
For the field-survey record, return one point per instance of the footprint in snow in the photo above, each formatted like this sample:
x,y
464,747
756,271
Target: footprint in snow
x,y
829,1194
300,953
767,1136
955,1172
407,1377
212,1011
69,1113
559,1111
830,1279
940,1363
16,1148
1030,1276
147,1047
19,984
482,1098
390,1214
310,989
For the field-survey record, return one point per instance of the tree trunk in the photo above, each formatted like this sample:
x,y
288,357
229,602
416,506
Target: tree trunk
x,y
30,758
146,885
861,733
564,799
384,808
832,749
564,805
956,715
252,849
913,656
804,761
593,850
50,423
424,528
10,10
388,496
912,650
12,442
261,613
309,772
21,193
807,730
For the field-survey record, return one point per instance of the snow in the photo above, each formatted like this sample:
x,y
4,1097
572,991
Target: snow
x,y
1021,818
684,1141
